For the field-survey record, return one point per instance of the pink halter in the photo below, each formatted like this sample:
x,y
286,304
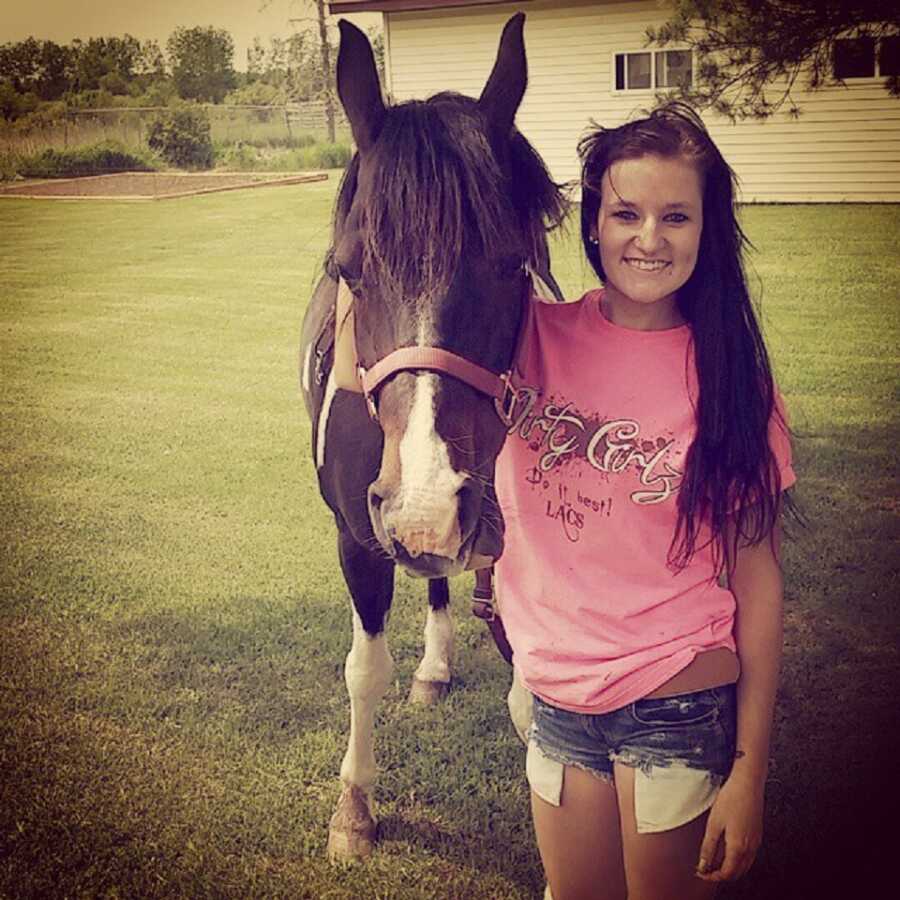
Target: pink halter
x,y
433,359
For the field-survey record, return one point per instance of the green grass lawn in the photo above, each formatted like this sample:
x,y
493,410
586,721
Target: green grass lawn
x,y
173,623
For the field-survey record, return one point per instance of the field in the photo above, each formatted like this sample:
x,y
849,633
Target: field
x,y
172,620
257,126
245,139
150,185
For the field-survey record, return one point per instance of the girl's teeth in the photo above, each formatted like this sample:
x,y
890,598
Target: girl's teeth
x,y
646,265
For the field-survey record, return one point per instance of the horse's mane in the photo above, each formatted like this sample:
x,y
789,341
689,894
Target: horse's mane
x,y
438,191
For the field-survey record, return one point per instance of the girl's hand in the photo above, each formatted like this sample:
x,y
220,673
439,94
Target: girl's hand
x,y
736,820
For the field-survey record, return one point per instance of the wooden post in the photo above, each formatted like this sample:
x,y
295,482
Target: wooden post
x,y
325,51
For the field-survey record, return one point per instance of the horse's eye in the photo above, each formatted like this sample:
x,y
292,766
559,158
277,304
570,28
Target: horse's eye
x,y
348,257
508,267
350,279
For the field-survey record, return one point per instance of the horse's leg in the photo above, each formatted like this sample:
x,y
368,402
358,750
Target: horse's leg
x,y
432,679
368,669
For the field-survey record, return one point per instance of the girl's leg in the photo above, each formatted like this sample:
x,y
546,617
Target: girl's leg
x,y
660,865
579,840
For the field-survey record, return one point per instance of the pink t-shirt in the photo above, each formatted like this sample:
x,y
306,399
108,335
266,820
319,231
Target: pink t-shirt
x,y
587,482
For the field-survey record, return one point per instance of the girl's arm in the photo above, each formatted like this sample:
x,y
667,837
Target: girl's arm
x,y
736,816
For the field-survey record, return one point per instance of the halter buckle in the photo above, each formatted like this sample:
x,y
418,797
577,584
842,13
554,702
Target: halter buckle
x,y
320,367
370,400
506,404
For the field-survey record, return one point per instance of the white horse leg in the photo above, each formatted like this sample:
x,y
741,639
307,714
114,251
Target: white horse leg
x,y
368,674
432,678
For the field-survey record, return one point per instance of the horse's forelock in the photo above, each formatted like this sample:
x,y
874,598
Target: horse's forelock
x,y
436,190
436,183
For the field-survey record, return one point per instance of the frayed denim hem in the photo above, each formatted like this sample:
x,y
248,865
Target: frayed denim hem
x,y
646,762
558,757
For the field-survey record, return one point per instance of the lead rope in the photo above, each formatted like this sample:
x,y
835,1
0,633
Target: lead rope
x,y
483,608
483,591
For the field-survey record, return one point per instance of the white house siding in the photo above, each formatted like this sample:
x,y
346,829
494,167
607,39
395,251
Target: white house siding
x,y
844,147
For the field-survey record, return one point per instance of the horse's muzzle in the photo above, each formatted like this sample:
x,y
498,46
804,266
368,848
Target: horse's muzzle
x,y
452,538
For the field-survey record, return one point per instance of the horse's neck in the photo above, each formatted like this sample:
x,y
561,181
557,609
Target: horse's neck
x,y
544,284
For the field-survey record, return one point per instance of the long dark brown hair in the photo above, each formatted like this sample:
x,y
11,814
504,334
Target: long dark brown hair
x,y
442,181
730,471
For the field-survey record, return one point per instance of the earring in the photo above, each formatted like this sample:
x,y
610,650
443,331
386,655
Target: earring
x,y
594,240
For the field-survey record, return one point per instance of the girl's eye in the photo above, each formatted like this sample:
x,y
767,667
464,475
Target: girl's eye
x,y
676,218
625,214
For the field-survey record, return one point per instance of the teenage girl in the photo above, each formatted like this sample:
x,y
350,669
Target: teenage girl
x,y
641,487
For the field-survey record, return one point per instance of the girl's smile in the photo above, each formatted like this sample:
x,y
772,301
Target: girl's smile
x,y
648,230
646,265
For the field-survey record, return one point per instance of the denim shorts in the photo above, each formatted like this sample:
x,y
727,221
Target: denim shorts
x,y
682,748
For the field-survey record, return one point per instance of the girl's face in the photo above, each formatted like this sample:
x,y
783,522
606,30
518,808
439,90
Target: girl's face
x,y
648,230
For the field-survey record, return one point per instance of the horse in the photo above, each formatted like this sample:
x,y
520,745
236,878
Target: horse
x,y
440,218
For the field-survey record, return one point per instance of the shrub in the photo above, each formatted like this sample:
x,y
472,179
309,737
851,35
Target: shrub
x,y
13,104
9,165
329,156
337,156
285,141
267,144
97,159
92,99
238,156
256,94
247,157
182,137
114,83
47,115
161,92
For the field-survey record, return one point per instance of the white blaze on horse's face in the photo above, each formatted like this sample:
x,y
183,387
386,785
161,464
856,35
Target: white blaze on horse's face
x,y
420,512
425,518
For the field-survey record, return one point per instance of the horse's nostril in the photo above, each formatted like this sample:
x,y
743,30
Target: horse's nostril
x,y
377,506
376,500
468,498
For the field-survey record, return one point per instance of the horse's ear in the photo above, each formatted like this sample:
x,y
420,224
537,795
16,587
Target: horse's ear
x,y
506,86
358,87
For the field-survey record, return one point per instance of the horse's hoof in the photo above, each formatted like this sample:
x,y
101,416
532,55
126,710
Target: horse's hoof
x,y
352,832
428,693
347,846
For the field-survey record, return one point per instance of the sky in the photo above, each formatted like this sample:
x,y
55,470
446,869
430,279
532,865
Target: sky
x,y
63,20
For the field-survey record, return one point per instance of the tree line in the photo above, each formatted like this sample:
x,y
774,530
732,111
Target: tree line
x,y
196,65
751,55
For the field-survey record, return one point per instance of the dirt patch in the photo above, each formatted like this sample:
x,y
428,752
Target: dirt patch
x,y
152,185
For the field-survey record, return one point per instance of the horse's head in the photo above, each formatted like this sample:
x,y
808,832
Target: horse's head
x,y
441,211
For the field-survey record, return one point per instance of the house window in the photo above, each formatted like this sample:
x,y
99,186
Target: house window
x,y
633,71
644,69
854,58
864,57
674,68
889,56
